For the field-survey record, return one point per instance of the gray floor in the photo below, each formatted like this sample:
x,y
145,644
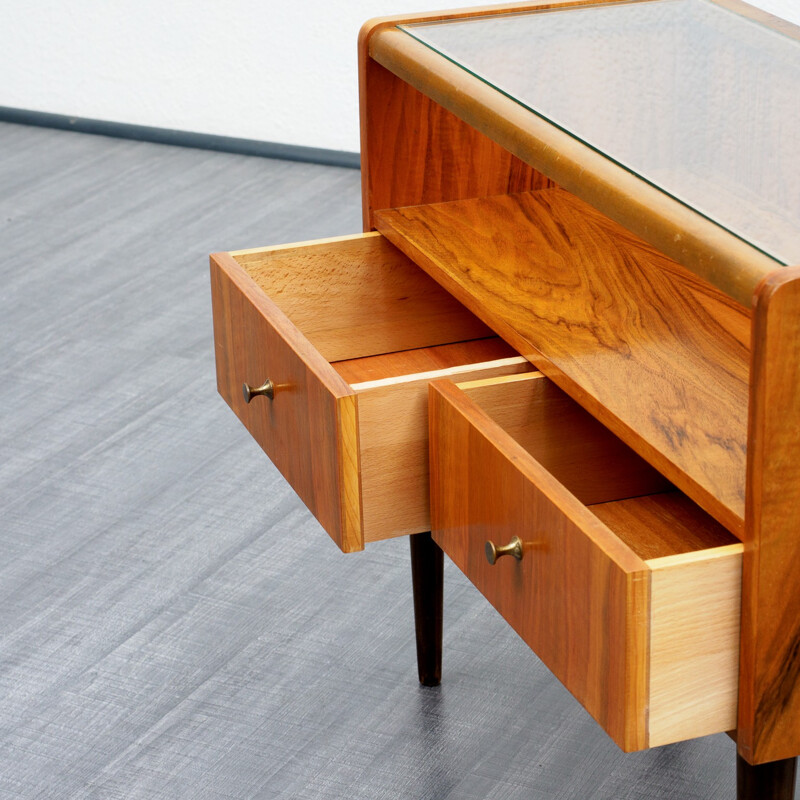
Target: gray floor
x,y
174,623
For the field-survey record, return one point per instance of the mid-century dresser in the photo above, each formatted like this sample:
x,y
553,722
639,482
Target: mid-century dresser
x,y
565,352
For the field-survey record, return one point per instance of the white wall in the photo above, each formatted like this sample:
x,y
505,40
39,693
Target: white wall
x,y
273,70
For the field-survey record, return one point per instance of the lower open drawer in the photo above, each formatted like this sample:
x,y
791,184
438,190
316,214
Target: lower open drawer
x,y
626,590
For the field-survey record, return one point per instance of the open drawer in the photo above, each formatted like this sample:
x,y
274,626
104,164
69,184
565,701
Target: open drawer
x,y
324,351
626,590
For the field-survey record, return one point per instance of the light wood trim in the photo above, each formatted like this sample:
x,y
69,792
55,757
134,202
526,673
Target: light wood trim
x,y
377,24
695,603
465,386
683,559
256,254
350,474
769,688
393,422
702,246
456,373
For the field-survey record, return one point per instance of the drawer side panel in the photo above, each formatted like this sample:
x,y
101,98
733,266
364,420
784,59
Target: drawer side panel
x,y
694,644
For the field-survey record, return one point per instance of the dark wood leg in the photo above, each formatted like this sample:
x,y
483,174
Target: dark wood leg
x,y
427,572
772,781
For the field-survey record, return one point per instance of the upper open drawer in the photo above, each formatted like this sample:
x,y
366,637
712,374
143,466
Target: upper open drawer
x,y
342,336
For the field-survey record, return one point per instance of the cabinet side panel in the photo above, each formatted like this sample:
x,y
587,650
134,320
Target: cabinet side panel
x,y
769,681
414,151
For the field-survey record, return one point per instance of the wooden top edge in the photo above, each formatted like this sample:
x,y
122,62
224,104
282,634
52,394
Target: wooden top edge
x,y
683,234
438,373
372,26
310,243
761,16
666,562
572,508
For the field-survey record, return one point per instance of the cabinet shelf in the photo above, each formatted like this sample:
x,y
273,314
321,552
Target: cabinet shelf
x,y
657,354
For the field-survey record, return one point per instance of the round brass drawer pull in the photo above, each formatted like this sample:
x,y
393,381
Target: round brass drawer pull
x,y
267,389
513,548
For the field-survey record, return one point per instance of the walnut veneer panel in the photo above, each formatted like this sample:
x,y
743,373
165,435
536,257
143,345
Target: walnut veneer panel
x,y
655,353
769,694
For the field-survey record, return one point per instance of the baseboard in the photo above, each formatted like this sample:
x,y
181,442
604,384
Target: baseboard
x,y
203,141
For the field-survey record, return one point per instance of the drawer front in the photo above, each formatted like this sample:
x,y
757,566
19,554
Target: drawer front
x,y
309,428
577,597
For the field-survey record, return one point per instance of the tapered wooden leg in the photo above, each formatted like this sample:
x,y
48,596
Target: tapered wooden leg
x,y
771,781
427,573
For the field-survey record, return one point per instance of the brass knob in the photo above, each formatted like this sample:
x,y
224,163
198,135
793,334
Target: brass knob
x,y
513,548
267,389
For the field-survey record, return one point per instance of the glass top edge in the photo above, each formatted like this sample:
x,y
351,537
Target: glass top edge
x,y
783,249
741,10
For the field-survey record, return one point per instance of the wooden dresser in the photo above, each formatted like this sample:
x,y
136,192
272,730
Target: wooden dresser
x,y
568,345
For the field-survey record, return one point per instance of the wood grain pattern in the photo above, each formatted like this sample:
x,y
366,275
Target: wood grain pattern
x,y
695,610
769,690
181,560
656,354
357,296
663,525
312,416
393,422
424,359
673,228
579,595
761,16
415,151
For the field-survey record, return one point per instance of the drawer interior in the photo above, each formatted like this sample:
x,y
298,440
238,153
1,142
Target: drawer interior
x,y
636,502
627,590
358,296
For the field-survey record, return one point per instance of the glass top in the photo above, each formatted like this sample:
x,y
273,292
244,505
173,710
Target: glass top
x,y
694,98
